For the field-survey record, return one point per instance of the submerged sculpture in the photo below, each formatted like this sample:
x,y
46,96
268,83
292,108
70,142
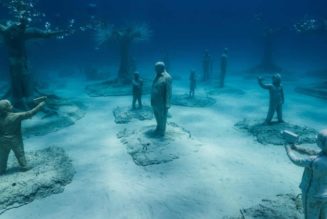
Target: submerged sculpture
x,y
11,134
276,99
161,97
15,35
192,84
223,68
137,90
314,179
207,66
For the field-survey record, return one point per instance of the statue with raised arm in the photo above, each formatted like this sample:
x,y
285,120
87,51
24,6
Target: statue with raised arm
x,y
276,99
314,180
11,134
192,84
223,68
137,90
15,35
161,97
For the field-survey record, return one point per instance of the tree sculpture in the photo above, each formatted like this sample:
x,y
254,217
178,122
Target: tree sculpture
x,y
124,36
15,33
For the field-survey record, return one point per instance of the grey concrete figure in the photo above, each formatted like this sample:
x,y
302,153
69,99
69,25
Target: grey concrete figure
x,y
161,97
11,134
137,90
276,99
192,84
15,35
223,68
207,66
314,179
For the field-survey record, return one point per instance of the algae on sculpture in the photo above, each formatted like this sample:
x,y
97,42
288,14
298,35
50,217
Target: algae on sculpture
x,y
276,97
11,134
161,97
314,180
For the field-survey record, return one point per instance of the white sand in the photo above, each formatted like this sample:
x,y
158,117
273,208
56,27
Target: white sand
x,y
228,172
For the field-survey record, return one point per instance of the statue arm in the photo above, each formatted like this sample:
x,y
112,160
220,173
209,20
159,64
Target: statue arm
x,y
263,85
168,92
31,113
302,162
305,151
34,33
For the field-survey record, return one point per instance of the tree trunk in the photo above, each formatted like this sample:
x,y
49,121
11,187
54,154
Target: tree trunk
x,y
21,82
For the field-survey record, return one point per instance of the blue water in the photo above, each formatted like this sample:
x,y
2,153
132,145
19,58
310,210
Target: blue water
x,y
183,30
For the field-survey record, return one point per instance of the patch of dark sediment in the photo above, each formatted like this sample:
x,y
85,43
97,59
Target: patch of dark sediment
x,y
283,206
196,101
271,134
125,115
59,114
51,170
114,88
147,149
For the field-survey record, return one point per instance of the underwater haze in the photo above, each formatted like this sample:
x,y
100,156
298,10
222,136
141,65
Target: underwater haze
x,y
163,109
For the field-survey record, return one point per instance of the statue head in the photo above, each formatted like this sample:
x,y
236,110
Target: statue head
x,y
226,50
277,79
136,75
322,140
5,107
160,67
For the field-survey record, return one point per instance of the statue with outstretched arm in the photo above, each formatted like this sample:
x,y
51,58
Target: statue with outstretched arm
x,y
15,35
11,138
314,180
276,97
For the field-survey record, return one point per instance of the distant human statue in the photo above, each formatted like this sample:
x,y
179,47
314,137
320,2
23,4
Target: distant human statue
x,y
137,90
314,180
223,68
10,132
207,66
192,84
15,35
276,99
161,97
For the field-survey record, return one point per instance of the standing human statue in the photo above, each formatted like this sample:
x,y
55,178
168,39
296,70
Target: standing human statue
x,y
223,68
137,90
314,180
11,134
192,84
207,65
161,97
276,97
15,35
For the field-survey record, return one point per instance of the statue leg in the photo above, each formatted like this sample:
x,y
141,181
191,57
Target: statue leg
x,y
270,114
4,153
280,113
163,121
140,100
19,152
156,116
134,101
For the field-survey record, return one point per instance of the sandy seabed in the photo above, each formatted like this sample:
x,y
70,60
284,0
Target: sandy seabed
x,y
229,172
